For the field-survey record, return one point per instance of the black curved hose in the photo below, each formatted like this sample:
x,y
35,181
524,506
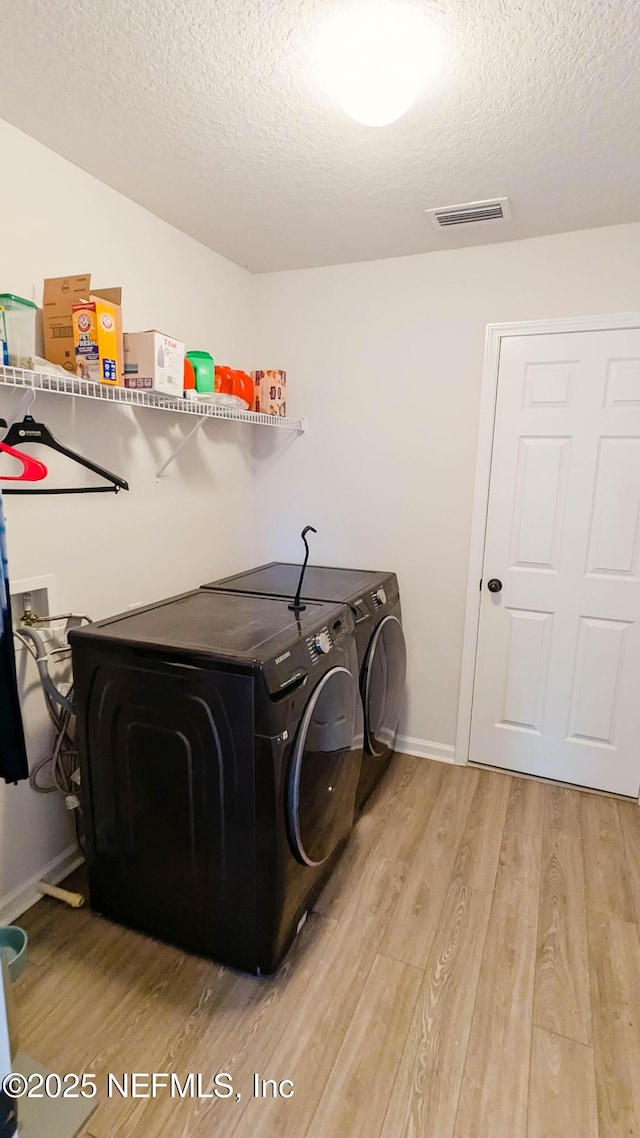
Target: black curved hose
x,y
297,606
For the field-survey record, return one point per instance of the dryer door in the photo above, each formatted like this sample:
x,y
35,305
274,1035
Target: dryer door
x,y
324,769
383,680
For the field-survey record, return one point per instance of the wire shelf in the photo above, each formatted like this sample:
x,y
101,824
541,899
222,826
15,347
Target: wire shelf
x,y
83,389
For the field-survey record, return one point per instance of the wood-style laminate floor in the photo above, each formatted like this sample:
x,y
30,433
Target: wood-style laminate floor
x,y
472,970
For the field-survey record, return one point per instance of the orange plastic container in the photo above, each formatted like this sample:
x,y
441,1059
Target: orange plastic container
x,y
242,386
223,380
189,376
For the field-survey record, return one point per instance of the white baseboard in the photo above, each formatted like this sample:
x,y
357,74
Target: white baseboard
x,y
426,749
22,898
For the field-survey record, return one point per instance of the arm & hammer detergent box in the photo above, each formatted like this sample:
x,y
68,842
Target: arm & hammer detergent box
x,y
97,336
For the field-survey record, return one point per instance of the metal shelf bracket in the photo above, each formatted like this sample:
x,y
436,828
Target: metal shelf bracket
x,y
187,438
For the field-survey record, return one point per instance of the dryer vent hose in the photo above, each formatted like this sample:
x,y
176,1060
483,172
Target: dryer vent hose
x,y
76,900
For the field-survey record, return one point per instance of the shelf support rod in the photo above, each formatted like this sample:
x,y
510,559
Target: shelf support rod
x,y
186,439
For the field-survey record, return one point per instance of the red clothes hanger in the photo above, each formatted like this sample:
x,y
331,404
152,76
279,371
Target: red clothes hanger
x,y
32,469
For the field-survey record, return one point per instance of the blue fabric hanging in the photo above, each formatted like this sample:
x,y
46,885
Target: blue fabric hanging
x,y
13,754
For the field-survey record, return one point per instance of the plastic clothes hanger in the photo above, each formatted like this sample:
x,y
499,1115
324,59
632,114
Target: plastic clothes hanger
x,y
32,469
29,431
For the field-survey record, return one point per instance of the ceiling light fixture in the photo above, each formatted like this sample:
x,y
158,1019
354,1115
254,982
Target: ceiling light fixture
x,y
375,59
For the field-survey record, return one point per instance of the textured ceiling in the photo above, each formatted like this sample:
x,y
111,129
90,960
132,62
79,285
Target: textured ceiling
x,y
205,111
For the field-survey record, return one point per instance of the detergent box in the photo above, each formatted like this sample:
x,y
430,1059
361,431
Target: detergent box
x,y
60,295
97,338
270,392
154,362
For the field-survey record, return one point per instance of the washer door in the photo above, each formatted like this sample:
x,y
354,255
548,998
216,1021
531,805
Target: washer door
x,y
383,681
321,776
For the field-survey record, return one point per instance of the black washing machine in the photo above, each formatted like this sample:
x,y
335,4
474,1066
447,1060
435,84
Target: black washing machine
x,y
374,599
220,739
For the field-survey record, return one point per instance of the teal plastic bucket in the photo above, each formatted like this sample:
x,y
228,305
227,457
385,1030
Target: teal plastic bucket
x,y
13,946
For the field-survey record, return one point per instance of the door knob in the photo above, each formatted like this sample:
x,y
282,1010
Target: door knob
x,y
494,585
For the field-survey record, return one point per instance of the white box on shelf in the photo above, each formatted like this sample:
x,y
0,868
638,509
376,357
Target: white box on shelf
x,y
154,362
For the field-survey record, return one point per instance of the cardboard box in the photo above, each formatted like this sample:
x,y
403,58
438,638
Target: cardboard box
x,y
270,392
60,294
154,362
98,341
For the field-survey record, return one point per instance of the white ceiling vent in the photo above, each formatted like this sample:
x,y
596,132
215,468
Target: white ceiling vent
x,y
473,213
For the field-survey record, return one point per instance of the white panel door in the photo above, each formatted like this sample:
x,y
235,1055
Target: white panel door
x,y
557,679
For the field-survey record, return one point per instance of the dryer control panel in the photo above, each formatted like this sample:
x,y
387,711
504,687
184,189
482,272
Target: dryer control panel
x,y
371,605
385,594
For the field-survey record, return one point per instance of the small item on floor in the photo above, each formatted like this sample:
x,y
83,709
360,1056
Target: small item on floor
x,y
13,957
74,900
13,949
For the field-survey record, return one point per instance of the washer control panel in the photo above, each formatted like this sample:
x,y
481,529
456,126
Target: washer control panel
x,y
327,638
289,669
319,644
322,643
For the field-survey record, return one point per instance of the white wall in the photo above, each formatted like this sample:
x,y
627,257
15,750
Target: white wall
x,y
385,360
108,551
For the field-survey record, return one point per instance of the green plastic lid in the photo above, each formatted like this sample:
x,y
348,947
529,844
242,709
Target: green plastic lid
x,y
8,298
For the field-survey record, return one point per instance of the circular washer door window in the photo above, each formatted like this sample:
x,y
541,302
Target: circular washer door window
x,y
383,687
324,769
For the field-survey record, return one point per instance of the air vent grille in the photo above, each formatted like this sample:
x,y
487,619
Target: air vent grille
x,y
472,213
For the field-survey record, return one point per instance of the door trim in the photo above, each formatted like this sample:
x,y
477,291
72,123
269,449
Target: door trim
x,y
489,392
